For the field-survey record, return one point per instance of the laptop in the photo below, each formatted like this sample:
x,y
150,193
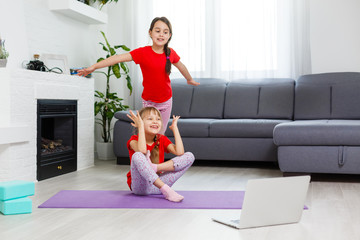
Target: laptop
x,y
271,201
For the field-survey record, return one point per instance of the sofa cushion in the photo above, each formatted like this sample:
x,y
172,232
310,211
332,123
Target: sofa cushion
x,y
312,102
244,128
189,101
182,95
122,115
208,101
196,127
346,101
260,98
328,96
318,133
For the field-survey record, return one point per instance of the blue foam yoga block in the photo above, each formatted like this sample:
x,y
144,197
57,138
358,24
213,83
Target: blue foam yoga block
x,y
16,206
16,189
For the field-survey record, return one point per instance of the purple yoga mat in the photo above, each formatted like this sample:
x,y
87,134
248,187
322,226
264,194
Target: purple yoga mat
x,y
125,199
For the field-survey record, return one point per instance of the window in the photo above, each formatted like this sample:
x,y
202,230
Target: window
x,y
239,38
188,29
248,35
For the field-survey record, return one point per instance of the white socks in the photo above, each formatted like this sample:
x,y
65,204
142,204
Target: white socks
x,y
170,194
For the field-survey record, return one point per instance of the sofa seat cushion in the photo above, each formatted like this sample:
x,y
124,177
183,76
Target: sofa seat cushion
x,y
244,128
194,127
318,133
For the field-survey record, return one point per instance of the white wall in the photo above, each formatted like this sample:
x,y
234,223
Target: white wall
x,y
30,27
119,33
335,35
13,30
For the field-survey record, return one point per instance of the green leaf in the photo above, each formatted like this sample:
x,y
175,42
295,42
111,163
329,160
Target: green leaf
x,y
109,115
97,109
100,59
112,51
129,86
116,70
112,95
125,48
113,106
124,67
107,43
99,94
104,47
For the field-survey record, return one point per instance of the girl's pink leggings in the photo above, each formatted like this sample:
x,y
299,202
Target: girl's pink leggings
x,y
143,176
165,110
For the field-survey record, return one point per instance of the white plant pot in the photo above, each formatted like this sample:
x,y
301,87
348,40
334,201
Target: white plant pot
x,y
3,63
105,151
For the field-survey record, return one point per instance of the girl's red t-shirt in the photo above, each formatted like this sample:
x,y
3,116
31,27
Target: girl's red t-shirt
x,y
163,142
156,81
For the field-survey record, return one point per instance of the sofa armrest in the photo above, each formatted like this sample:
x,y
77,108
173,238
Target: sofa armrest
x,y
122,115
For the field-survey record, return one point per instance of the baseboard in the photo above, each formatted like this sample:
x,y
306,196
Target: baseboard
x,y
122,161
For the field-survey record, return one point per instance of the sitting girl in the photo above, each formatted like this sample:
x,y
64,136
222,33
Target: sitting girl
x,y
149,174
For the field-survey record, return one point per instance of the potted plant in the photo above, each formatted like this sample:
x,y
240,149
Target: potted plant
x,y
108,103
100,2
3,53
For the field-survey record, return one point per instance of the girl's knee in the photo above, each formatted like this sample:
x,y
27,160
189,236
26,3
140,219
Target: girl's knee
x,y
183,161
190,156
137,157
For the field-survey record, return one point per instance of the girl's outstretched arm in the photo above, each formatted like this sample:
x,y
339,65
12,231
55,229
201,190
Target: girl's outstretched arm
x,y
125,57
177,148
183,70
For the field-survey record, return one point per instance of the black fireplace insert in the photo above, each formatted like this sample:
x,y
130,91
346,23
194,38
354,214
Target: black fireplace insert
x,y
56,137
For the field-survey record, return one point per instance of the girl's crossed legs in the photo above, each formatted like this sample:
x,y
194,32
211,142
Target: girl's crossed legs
x,y
143,175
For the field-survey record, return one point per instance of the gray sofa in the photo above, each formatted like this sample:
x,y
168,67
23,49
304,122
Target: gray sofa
x,y
325,134
223,120
311,125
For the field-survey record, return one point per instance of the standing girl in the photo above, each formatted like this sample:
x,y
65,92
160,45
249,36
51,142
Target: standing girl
x,y
149,174
155,63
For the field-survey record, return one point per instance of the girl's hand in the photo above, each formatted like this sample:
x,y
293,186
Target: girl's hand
x,y
174,122
193,82
137,121
85,71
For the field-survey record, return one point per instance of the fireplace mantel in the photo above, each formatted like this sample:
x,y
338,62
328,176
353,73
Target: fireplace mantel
x,y
14,134
20,89
9,133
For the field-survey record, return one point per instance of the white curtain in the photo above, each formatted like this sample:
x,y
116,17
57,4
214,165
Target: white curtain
x,y
229,39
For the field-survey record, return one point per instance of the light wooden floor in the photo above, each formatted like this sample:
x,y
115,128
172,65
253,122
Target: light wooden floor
x,y
334,210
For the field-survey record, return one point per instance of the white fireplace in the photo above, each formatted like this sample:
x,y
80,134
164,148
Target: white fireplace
x,y
19,91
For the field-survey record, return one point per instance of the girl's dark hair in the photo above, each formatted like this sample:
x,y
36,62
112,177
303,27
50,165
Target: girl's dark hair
x,y
166,46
